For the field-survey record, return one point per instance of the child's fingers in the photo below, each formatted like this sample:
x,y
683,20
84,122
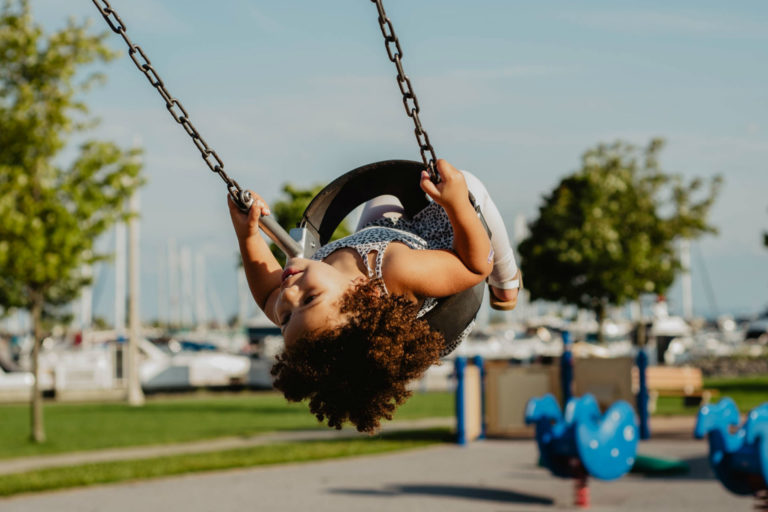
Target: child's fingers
x,y
428,186
233,209
445,170
258,208
259,204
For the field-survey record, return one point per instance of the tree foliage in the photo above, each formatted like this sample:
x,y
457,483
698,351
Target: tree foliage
x,y
51,212
289,209
606,233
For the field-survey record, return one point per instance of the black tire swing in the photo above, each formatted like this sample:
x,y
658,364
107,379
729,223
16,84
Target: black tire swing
x,y
400,178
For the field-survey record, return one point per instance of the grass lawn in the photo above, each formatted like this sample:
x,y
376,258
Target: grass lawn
x,y
747,392
90,474
78,427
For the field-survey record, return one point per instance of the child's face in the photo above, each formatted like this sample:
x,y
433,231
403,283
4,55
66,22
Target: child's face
x,y
309,297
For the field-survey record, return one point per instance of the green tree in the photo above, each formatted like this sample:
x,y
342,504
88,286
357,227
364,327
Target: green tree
x,y
50,214
606,234
289,208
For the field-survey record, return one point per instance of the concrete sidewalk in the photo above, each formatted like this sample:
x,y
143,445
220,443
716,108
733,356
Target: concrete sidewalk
x,y
486,476
672,427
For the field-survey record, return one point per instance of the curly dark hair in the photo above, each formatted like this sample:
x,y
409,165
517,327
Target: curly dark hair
x,y
358,372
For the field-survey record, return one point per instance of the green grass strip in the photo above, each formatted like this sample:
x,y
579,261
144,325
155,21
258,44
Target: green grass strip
x,y
748,392
757,383
74,427
279,453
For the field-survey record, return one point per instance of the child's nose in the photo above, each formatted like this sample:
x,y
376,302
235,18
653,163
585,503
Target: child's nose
x,y
291,294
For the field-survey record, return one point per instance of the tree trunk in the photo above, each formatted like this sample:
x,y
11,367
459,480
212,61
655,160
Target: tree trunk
x,y
600,312
38,431
642,334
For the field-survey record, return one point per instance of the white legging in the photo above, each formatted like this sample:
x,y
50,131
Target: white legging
x,y
504,265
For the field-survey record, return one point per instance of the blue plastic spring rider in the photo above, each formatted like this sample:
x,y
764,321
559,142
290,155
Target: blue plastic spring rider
x,y
739,459
583,442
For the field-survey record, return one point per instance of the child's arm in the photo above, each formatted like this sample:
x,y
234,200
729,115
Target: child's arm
x,y
261,268
470,240
439,273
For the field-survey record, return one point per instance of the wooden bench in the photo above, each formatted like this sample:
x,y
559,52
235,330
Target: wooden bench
x,y
685,381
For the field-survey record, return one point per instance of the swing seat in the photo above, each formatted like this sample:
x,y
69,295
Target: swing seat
x,y
401,179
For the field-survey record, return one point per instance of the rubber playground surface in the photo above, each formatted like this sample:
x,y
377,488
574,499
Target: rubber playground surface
x,y
490,475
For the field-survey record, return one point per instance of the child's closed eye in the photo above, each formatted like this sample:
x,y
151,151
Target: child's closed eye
x,y
287,318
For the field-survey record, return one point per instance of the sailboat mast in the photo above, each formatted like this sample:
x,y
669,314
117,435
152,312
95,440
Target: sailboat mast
x,y
135,394
685,278
120,271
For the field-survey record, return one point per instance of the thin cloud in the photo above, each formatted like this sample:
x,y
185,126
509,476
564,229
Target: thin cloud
x,y
263,22
520,71
147,16
679,22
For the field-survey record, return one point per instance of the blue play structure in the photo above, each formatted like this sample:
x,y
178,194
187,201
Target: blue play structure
x,y
739,459
470,402
582,442
642,394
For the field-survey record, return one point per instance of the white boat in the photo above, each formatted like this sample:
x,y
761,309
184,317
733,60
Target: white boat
x,y
757,331
15,386
66,368
509,342
185,369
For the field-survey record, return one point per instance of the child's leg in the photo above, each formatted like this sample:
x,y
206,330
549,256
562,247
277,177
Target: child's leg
x,y
378,207
504,275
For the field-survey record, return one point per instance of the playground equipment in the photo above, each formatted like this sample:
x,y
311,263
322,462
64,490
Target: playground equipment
x,y
507,387
470,399
400,178
739,459
582,442
642,394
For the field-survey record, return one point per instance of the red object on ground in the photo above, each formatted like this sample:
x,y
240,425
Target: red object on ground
x,y
761,500
581,492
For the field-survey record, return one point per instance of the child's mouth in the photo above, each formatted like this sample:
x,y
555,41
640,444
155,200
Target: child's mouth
x,y
288,272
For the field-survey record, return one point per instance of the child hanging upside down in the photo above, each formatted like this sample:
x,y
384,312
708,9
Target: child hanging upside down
x,y
351,315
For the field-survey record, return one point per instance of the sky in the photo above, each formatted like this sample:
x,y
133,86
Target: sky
x,y
301,91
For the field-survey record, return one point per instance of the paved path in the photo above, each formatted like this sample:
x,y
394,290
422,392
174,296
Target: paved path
x,y
492,475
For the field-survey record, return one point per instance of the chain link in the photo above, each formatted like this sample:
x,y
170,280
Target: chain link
x,y
178,112
411,104
241,197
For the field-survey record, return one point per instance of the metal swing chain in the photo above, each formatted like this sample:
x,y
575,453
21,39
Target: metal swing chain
x,y
412,104
395,53
241,197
